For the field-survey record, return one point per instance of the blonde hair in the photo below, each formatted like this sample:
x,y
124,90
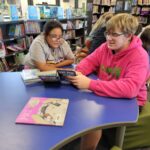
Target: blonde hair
x,y
101,22
125,22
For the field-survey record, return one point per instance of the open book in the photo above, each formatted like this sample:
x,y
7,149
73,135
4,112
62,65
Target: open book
x,y
45,111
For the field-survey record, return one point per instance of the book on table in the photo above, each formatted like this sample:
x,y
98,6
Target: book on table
x,y
44,111
55,75
49,76
34,75
30,75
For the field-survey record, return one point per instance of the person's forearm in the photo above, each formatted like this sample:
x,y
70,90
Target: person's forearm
x,y
85,50
46,66
64,63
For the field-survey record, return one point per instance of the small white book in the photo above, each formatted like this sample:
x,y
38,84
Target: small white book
x,y
47,73
30,75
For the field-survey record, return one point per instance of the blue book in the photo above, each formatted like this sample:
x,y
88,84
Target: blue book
x,y
53,12
44,11
56,12
60,13
13,12
68,13
32,13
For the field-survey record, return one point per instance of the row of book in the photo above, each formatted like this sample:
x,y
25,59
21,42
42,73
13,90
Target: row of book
x,y
143,2
19,30
42,11
13,31
142,19
77,24
37,12
140,10
16,30
97,10
104,2
59,12
32,27
7,65
9,12
111,9
20,45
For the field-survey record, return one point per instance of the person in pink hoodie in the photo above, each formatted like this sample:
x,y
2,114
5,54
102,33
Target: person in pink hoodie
x,y
122,67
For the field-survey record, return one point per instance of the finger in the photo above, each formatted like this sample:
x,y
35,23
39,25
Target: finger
x,y
70,77
78,73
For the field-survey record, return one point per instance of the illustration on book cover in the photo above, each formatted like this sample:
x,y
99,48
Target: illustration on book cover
x,y
46,111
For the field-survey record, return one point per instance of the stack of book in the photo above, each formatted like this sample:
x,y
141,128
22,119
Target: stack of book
x,y
30,76
34,75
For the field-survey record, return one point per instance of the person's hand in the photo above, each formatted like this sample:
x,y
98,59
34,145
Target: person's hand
x,y
71,69
80,81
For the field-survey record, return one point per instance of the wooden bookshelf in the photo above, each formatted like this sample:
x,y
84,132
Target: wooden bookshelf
x,y
98,7
11,38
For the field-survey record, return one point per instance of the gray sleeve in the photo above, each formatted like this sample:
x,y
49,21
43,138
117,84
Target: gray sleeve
x,y
37,52
67,51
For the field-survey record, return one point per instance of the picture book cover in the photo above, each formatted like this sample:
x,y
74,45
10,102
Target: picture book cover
x,y
44,111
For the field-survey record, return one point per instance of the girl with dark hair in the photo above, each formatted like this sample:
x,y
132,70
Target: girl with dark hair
x,y
49,50
145,37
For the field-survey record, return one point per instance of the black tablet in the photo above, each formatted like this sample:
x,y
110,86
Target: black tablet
x,y
65,73
47,78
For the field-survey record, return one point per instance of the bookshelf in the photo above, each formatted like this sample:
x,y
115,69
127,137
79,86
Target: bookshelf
x,y
141,9
12,37
138,8
98,7
102,6
17,36
75,29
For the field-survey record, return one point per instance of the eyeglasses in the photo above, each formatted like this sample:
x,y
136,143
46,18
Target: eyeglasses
x,y
55,38
112,34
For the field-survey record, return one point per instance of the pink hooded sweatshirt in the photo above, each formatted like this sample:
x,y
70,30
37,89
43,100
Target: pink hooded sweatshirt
x,y
121,75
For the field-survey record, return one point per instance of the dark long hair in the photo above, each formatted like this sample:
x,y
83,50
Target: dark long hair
x,y
50,25
145,37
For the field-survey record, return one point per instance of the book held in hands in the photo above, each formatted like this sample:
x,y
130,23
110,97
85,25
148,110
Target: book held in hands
x,y
44,111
